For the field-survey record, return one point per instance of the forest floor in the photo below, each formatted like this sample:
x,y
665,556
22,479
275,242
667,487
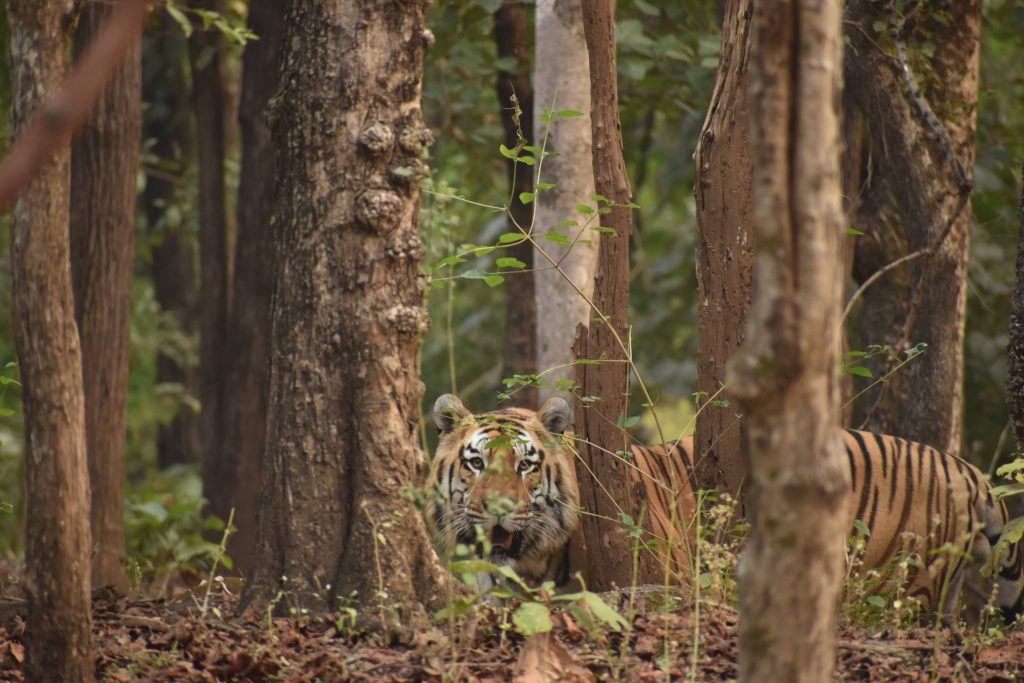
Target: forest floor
x,y
170,641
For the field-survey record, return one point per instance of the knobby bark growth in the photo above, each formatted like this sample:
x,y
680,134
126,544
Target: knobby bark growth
x,y
211,103
513,40
914,185
166,123
563,82
725,250
605,483
104,160
57,536
347,313
1015,346
248,336
785,375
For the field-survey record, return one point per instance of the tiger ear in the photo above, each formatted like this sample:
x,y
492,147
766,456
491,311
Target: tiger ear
x,y
555,415
448,410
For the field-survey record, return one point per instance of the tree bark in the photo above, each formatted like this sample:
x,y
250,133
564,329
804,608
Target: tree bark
x,y
912,194
563,82
104,160
785,376
510,34
58,539
1015,346
206,51
165,121
725,251
606,486
245,408
347,313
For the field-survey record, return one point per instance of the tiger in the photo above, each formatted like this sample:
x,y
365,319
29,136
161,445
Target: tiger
x,y
911,499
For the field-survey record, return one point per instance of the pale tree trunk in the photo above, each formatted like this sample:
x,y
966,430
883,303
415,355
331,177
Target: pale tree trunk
x,y
915,186
562,80
211,102
606,486
725,251
1015,346
166,121
245,407
520,358
785,375
104,161
347,313
57,536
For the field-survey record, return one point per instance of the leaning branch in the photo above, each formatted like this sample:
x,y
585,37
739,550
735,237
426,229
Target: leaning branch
x,y
64,113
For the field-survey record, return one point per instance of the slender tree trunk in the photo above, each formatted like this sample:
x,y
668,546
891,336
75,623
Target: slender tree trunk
x,y
915,188
510,33
206,49
245,408
166,122
104,161
725,251
1015,347
563,82
347,313
605,482
785,376
58,540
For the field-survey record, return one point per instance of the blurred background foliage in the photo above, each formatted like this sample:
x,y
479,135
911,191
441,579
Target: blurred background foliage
x,y
667,61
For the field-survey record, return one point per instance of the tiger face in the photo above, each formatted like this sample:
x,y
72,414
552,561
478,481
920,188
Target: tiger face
x,y
505,475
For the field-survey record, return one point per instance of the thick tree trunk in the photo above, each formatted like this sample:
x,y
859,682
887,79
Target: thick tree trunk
x,y
725,251
914,191
245,407
786,374
104,161
562,81
1015,346
166,122
606,486
347,313
510,34
58,541
206,49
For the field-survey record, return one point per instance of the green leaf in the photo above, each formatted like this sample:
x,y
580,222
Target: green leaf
x,y
1011,467
569,113
529,161
876,600
1012,532
510,237
606,231
544,186
493,280
861,527
533,149
858,370
510,262
557,238
603,611
473,274
853,231
567,223
532,618
585,209
506,152
4,412
450,261
179,16
526,197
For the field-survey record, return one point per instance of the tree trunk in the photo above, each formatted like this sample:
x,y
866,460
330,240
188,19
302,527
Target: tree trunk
x,y
347,313
58,540
510,34
916,187
563,82
606,486
785,376
206,50
725,252
245,408
165,121
104,160
1015,347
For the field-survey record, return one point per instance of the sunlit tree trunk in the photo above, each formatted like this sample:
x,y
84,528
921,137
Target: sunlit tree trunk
x,y
786,373
725,251
347,313
58,541
562,81
104,161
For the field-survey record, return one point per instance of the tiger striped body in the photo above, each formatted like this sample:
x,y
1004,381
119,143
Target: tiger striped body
x,y
913,499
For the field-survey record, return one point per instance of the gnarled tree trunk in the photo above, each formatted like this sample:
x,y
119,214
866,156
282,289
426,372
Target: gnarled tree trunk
x,y
58,542
785,376
347,313
104,161
562,81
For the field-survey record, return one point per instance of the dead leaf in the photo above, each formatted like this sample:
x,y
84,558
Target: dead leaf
x,y
573,631
17,651
543,659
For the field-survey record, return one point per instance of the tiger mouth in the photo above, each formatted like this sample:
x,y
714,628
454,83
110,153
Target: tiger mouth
x,y
501,538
